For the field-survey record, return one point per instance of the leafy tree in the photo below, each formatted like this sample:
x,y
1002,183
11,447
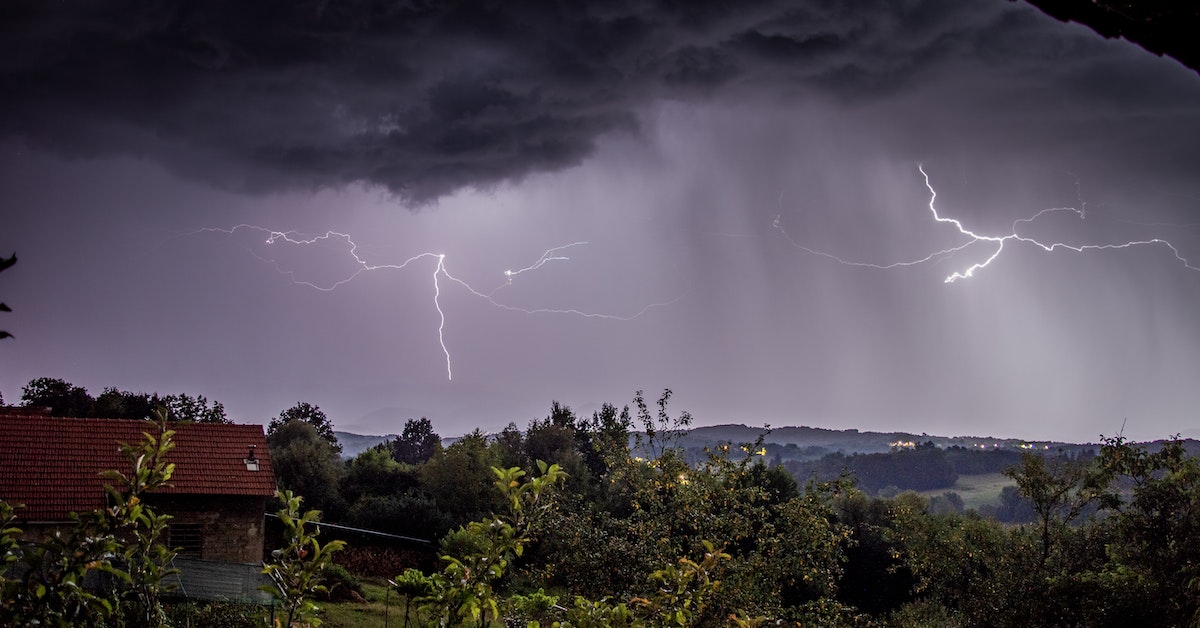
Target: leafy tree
x,y
305,463
183,407
464,592
662,430
145,561
608,438
374,472
120,404
68,400
1059,489
508,447
1156,545
459,479
310,414
981,572
63,399
6,263
548,441
121,540
295,569
417,443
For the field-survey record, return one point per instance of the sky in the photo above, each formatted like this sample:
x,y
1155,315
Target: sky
x,y
756,205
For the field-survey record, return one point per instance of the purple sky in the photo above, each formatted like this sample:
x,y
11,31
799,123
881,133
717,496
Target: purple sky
x,y
717,162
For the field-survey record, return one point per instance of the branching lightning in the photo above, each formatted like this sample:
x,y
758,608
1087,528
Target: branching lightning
x,y
548,256
439,271
998,240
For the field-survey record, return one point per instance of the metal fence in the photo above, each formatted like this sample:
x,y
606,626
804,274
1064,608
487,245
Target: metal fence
x,y
216,581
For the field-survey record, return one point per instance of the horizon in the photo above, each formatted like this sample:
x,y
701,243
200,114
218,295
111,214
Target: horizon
x,y
963,217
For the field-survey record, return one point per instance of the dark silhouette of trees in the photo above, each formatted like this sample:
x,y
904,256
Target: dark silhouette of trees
x,y
67,400
63,399
417,443
307,464
5,264
310,414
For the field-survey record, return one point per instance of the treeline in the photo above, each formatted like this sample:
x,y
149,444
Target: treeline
x,y
1111,539
644,535
64,399
924,467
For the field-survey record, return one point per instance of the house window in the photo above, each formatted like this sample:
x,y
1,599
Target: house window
x,y
186,538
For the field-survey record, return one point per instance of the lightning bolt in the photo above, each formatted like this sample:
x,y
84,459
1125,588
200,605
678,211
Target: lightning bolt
x,y
548,256
999,241
439,271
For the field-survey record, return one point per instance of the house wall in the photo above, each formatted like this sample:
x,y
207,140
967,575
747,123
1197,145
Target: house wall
x,y
232,525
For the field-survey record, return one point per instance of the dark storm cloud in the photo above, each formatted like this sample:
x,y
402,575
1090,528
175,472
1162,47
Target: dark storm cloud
x,y
425,98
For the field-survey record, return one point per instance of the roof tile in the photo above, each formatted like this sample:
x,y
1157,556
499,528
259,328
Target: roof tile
x,y
52,465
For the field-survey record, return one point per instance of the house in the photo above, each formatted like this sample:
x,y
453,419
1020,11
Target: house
x,y
216,496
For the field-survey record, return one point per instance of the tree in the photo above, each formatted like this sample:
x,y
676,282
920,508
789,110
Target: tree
x,y
183,407
1059,490
120,404
662,431
6,263
417,443
508,446
308,413
295,569
1157,540
63,399
306,464
121,540
608,432
460,479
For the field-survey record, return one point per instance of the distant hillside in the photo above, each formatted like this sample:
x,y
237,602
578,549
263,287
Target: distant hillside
x,y
354,444
800,443
790,442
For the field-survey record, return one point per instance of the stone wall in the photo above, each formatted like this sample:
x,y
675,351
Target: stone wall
x,y
231,526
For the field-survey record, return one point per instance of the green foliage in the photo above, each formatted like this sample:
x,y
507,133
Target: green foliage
x,y
62,398
662,431
463,592
340,583
459,480
223,614
306,464
120,540
295,569
197,409
413,585
306,413
681,592
1059,489
145,561
973,566
1156,528
417,443
67,400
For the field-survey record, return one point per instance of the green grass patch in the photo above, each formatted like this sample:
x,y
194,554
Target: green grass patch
x,y
381,609
976,490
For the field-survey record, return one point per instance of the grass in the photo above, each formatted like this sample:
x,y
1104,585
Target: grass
x,y
381,609
977,490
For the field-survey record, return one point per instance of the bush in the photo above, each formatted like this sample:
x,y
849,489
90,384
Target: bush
x,y
224,614
341,585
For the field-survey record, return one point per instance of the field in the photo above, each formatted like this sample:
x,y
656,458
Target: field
x,y
976,490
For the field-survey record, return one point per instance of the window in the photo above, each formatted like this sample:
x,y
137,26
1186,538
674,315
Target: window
x,y
187,538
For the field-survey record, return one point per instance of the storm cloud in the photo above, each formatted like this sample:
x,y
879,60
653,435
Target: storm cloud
x,y
745,176
425,98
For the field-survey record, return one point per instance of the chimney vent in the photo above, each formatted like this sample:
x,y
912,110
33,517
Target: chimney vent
x,y
251,461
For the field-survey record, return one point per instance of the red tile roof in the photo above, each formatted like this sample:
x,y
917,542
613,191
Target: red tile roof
x,y
52,465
